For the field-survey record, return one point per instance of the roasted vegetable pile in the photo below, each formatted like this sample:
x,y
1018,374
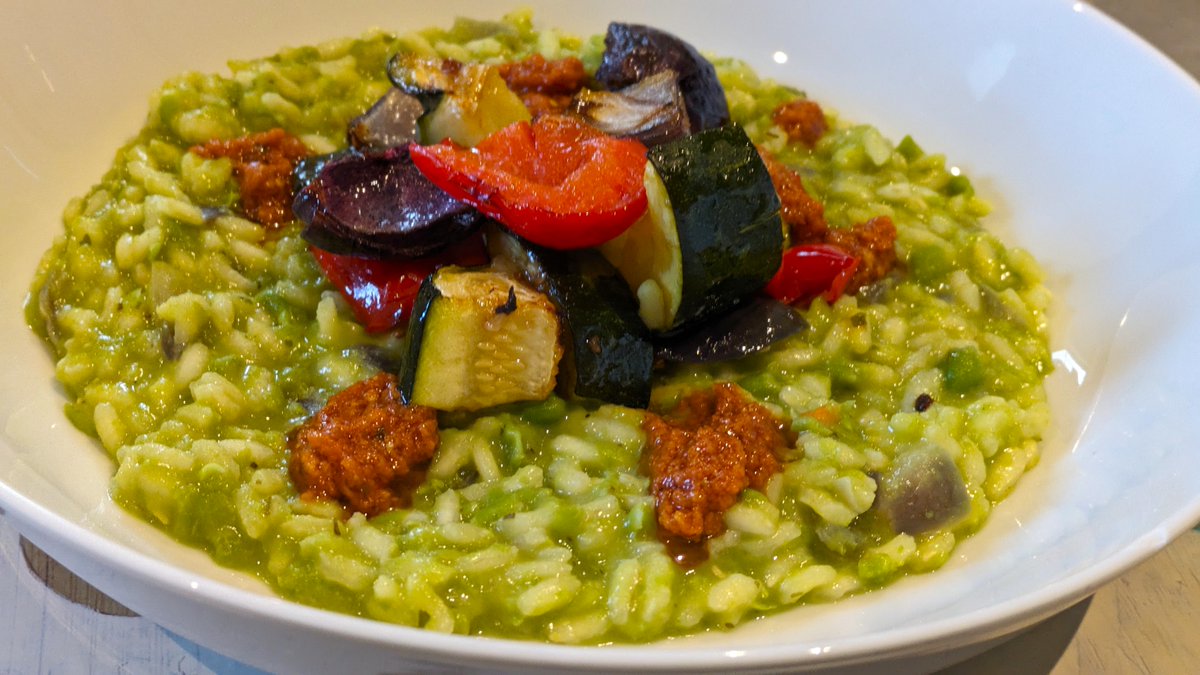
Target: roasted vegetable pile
x,y
623,215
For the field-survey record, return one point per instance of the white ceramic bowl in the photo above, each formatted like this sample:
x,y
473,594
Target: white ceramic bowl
x,y
1086,139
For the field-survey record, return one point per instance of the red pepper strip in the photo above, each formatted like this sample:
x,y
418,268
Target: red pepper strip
x,y
556,182
812,270
381,292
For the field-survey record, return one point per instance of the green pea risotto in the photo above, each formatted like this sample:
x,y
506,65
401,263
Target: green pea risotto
x,y
192,340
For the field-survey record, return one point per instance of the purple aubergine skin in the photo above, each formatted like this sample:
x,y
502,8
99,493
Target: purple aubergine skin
x,y
380,205
752,327
633,51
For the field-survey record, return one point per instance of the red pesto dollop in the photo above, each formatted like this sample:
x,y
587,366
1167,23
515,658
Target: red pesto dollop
x,y
262,166
873,243
802,120
803,215
545,87
364,449
716,443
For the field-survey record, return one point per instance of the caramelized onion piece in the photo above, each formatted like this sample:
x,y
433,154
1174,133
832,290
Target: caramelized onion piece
x,y
651,110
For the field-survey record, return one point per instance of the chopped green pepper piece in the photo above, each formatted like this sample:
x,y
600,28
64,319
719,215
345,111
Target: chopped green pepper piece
x,y
963,369
909,148
960,185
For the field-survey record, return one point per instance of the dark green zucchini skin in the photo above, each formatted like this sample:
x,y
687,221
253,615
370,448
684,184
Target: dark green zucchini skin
x,y
415,337
727,216
752,327
611,357
608,355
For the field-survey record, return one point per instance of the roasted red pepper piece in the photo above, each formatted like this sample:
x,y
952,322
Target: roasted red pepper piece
x,y
812,270
556,182
381,292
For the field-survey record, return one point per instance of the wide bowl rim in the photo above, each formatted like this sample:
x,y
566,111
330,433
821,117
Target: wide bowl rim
x,y
976,626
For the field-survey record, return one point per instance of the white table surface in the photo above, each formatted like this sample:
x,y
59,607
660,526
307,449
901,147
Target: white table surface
x,y
1145,622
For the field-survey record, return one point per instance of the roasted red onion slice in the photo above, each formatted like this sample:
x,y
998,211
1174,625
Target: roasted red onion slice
x,y
633,52
389,123
651,110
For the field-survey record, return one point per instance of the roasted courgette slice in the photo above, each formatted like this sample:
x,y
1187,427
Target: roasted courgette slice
x,y
463,102
478,339
608,355
711,236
